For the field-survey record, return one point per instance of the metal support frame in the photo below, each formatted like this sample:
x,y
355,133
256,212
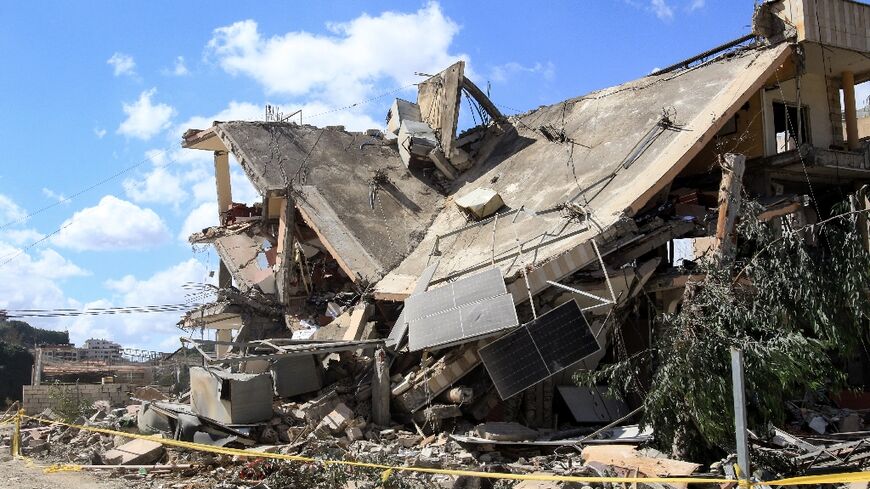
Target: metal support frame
x,y
743,472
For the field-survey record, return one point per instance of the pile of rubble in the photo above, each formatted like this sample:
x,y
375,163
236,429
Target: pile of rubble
x,y
334,425
426,296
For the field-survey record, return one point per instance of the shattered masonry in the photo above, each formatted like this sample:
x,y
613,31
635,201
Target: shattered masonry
x,y
427,277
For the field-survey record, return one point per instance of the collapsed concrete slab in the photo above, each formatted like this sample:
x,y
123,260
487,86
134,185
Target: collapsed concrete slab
x,y
618,179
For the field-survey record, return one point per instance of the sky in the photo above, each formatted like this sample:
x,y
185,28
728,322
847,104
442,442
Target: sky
x,y
97,197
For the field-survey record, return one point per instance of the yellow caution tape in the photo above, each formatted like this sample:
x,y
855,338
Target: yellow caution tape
x,y
387,470
54,468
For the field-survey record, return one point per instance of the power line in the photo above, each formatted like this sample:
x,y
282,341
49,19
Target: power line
x,y
15,255
53,313
362,102
87,189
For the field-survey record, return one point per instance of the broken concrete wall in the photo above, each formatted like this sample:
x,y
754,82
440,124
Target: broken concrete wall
x,y
383,210
438,98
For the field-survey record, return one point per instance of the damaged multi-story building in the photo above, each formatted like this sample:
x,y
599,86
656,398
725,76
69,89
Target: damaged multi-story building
x,y
486,266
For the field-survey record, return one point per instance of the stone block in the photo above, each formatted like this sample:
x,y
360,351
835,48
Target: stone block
x,y
336,421
136,452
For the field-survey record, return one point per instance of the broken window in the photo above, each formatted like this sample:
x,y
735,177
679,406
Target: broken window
x,y
790,129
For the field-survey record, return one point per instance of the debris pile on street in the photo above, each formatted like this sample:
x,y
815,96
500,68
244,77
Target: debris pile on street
x,y
428,297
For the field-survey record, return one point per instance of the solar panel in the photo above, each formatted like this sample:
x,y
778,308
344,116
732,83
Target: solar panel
x,y
400,328
461,311
539,349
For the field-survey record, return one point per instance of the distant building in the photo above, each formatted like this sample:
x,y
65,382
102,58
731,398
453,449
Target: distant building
x,y
60,353
99,349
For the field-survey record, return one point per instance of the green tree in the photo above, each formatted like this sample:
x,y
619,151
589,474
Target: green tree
x,y
23,334
798,303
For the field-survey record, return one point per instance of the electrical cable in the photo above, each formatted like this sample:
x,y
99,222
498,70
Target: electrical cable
x,y
89,188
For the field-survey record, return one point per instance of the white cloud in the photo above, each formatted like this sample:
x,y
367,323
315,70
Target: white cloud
x,y
51,194
697,5
33,280
203,216
157,157
145,119
163,287
179,68
20,236
503,73
157,186
205,190
82,328
99,132
122,64
235,111
10,211
662,10
345,65
112,224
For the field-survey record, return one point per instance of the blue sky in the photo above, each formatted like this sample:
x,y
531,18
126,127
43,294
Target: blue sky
x,y
86,92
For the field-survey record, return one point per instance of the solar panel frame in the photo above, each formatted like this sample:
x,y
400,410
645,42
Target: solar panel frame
x,y
539,349
470,308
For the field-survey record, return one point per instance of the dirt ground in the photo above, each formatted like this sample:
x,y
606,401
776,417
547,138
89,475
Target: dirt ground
x,y
18,474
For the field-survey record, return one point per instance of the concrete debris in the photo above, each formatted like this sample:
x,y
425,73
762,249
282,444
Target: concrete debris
x,y
602,206
818,424
136,452
505,432
336,421
416,141
401,111
481,202
231,398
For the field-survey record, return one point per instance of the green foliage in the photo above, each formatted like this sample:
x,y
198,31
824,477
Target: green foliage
x,y
23,334
67,402
15,368
792,308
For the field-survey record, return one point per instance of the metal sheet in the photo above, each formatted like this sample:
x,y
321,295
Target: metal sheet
x,y
591,404
539,349
397,334
461,311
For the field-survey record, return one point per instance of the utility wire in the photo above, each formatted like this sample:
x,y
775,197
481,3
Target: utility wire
x,y
53,313
9,258
87,189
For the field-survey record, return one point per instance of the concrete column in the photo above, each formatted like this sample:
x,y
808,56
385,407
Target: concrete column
x,y
37,369
222,179
223,335
729,203
848,81
381,389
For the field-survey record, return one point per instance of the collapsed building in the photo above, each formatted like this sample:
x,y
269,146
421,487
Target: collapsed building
x,y
471,274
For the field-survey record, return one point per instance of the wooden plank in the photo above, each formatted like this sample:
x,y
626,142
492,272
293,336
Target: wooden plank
x,y
626,457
